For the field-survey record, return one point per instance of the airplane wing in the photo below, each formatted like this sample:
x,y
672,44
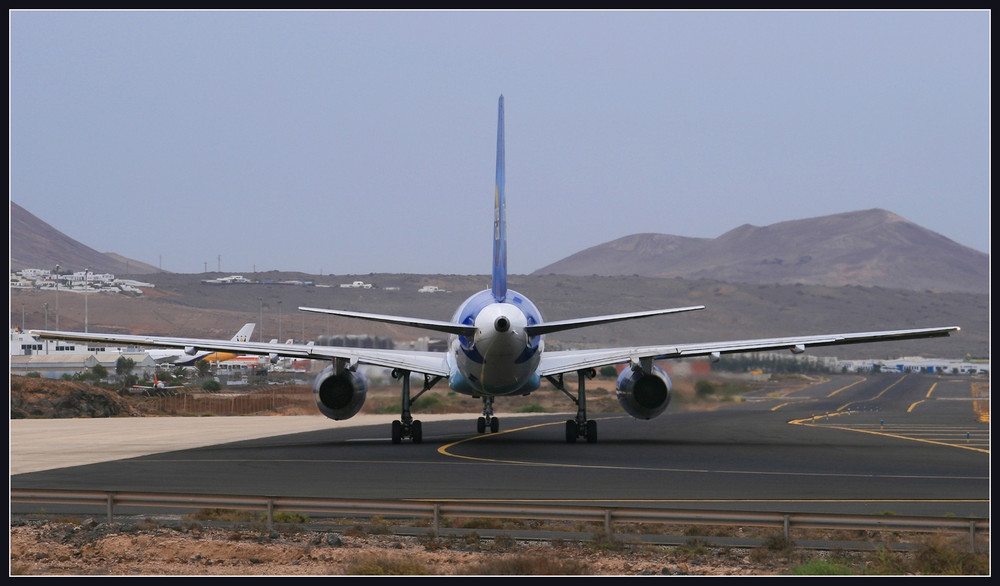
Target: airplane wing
x,y
558,362
433,363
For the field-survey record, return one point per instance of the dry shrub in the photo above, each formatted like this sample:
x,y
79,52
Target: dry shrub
x,y
529,565
380,565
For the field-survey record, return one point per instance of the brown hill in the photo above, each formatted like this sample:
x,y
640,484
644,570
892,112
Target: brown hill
x,y
37,245
181,305
872,248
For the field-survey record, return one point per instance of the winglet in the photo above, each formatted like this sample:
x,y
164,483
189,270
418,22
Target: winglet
x,y
500,220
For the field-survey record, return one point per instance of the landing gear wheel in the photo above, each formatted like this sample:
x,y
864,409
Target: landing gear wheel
x,y
572,431
581,426
416,431
494,425
397,431
481,425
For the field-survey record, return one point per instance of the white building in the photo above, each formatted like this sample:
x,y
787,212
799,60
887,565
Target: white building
x,y
57,364
917,364
24,344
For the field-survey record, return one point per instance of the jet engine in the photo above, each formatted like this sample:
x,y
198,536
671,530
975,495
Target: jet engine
x,y
644,396
339,395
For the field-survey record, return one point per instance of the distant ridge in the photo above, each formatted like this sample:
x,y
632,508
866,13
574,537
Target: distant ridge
x,y
37,245
871,248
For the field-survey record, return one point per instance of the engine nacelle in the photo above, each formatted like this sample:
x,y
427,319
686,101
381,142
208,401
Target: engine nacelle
x,y
339,396
644,396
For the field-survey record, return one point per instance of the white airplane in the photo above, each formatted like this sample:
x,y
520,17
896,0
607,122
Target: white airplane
x,y
496,349
181,356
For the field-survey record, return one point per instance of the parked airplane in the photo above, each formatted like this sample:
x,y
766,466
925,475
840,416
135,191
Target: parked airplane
x,y
496,349
156,385
181,357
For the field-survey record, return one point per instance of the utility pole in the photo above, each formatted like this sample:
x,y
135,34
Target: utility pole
x,y
260,325
57,296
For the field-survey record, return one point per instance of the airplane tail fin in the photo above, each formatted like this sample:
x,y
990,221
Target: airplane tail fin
x,y
244,334
499,283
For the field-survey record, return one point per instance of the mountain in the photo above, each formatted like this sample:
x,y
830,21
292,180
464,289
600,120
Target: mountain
x,y
871,248
37,245
181,304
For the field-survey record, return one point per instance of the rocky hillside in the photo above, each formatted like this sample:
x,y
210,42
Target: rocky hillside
x,y
872,248
35,244
39,398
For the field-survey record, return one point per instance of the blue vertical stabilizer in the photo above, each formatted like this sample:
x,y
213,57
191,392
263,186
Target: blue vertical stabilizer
x,y
500,220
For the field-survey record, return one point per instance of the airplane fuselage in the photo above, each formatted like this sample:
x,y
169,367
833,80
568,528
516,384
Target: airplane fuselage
x,y
500,358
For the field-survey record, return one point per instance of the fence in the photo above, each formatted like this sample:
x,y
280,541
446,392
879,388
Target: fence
x,y
230,403
436,511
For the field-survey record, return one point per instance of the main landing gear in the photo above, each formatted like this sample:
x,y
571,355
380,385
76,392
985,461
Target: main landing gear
x,y
406,426
487,420
581,427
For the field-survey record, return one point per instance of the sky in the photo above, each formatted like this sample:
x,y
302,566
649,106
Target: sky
x,y
355,142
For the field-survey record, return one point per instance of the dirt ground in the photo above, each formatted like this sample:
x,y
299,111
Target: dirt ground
x,y
91,548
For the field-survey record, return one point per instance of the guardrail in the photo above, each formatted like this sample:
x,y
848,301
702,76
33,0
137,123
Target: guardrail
x,y
435,511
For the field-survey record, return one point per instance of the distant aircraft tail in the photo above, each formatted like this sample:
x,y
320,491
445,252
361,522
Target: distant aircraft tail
x,y
244,334
500,220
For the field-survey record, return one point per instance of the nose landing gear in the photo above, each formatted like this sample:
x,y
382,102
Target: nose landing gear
x,y
488,420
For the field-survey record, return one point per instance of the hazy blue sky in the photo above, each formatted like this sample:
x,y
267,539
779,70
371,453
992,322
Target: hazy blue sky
x,y
356,142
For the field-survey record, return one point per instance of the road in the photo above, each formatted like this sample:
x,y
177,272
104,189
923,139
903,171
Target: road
x,y
904,444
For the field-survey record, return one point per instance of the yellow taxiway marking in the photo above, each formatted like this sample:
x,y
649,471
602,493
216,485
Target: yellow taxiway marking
x,y
844,388
809,421
927,396
443,450
930,390
832,393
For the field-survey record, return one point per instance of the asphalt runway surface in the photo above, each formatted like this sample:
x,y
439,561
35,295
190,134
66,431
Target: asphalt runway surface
x,y
905,444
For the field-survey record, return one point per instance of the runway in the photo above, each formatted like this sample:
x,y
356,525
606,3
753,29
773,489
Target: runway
x,y
902,444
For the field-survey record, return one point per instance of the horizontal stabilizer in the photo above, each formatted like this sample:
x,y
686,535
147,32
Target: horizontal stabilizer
x,y
424,324
570,324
